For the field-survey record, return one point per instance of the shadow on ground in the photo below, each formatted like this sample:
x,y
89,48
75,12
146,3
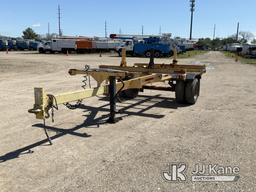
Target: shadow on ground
x,y
142,102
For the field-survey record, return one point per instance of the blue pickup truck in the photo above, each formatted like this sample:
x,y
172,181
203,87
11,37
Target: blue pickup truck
x,y
143,48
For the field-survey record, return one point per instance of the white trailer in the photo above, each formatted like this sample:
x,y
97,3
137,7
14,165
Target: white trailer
x,y
106,44
63,45
58,45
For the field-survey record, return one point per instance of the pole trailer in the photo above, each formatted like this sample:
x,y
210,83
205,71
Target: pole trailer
x,y
125,82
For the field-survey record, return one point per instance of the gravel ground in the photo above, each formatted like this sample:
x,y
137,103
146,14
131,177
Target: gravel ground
x,y
90,155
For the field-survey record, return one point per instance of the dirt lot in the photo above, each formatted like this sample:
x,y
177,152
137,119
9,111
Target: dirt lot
x,y
90,155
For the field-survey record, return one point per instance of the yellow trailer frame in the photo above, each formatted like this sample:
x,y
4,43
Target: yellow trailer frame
x,y
45,101
112,80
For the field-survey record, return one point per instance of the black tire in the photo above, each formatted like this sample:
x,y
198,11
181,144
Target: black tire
x,y
129,94
157,54
180,91
147,54
64,51
192,91
41,50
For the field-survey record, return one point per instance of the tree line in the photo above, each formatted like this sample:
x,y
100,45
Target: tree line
x,y
244,37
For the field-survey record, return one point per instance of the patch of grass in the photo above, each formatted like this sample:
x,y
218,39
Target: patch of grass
x,y
240,58
192,53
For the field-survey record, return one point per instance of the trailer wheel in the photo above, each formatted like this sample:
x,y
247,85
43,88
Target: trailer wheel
x,y
129,94
192,91
180,91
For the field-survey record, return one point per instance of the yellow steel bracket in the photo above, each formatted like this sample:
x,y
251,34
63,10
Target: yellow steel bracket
x,y
175,56
44,102
40,105
99,75
123,62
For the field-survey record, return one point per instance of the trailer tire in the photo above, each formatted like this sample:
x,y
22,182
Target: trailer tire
x,y
192,91
129,94
180,91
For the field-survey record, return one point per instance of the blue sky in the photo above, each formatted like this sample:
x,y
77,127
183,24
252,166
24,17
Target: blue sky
x,y
87,17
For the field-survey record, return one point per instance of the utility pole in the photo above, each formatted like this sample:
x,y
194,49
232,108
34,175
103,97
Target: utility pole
x,y
192,9
59,17
237,32
214,32
106,33
160,30
142,30
48,29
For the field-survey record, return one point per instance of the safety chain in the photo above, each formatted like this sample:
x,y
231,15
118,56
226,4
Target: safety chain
x,y
86,77
85,80
74,106
53,105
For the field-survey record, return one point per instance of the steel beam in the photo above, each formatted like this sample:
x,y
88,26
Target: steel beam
x,y
43,103
188,68
162,70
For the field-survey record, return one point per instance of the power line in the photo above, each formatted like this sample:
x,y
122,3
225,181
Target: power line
x,y
192,9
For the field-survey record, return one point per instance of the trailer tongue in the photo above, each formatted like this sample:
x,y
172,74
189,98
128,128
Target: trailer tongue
x,y
125,82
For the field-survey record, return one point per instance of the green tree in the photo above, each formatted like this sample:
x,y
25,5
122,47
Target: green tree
x,y
204,43
246,36
29,34
229,40
216,43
